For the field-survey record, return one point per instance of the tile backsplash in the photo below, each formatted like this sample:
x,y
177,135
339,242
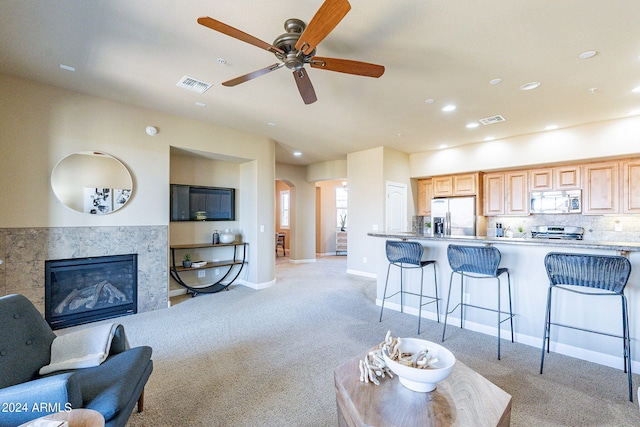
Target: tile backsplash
x,y
596,227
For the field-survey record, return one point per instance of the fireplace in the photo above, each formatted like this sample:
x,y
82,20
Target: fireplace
x,y
83,290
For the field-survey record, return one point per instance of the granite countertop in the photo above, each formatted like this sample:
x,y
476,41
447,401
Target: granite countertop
x,y
582,244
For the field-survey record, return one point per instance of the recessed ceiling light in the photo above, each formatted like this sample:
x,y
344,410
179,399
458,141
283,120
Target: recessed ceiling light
x,y
495,81
472,125
271,124
530,86
399,135
201,104
443,146
297,153
587,54
633,113
636,89
67,67
448,108
551,127
490,138
430,101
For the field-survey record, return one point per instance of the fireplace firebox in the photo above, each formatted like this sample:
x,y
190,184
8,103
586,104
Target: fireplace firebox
x,y
83,290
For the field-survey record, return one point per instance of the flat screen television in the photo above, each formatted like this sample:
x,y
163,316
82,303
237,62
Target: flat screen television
x,y
199,203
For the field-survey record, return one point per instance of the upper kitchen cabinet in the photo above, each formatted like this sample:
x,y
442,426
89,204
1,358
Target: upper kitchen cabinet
x,y
456,185
506,193
442,186
567,177
541,179
425,194
494,194
631,186
600,188
517,197
558,178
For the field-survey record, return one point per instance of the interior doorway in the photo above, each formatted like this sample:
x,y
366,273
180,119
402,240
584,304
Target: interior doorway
x,y
284,216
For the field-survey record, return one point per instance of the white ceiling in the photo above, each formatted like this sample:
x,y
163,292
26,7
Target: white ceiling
x,y
448,51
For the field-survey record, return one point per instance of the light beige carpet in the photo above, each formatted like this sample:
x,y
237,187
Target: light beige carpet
x,y
266,358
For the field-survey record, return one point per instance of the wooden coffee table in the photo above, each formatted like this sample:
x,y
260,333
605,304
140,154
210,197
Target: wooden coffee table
x,y
466,398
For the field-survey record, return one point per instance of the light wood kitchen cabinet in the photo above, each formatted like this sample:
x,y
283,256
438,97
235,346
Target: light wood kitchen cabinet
x,y
517,193
506,193
465,185
442,186
425,194
631,186
567,177
456,185
557,178
494,194
541,179
600,186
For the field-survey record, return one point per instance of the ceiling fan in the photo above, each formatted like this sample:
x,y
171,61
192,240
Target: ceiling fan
x,y
298,47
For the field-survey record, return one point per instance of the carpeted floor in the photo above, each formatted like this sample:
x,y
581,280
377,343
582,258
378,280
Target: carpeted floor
x,y
266,358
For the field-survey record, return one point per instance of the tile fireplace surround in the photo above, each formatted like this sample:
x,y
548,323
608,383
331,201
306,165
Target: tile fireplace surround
x,y
23,252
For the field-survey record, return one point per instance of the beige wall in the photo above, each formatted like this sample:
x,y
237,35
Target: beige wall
x,y
366,208
614,138
40,124
336,169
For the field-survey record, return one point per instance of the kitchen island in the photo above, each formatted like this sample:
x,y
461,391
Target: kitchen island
x,y
525,259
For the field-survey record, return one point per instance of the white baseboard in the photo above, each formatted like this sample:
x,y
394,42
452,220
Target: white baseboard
x,y
301,261
363,274
256,286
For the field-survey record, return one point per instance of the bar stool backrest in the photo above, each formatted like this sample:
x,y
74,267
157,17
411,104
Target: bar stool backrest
x,y
474,259
593,271
404,252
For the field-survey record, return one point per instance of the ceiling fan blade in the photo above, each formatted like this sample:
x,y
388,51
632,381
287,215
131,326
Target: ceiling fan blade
x,y
304,86
253,75
347,66
323,22
237,34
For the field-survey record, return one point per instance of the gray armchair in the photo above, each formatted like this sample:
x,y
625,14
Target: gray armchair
x,y
112,388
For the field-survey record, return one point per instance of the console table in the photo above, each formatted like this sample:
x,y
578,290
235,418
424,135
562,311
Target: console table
x,y
466,398
176,268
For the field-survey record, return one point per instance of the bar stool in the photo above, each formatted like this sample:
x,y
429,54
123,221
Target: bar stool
x,y
408,255
478,262
605,275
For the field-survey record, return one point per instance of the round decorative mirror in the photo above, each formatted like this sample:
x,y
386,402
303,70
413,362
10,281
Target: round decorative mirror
x,y
92,182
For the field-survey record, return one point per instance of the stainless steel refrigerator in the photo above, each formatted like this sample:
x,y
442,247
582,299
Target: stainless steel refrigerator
x,y
455,216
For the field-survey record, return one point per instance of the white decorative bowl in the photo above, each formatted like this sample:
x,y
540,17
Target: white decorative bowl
x,y
422,380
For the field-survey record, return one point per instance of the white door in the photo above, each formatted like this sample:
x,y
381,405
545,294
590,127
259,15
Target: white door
x,y
396,220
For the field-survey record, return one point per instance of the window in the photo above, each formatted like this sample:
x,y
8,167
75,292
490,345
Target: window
x,y
284,209
341,207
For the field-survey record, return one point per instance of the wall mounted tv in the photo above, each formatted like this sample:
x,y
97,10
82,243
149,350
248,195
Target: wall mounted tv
x,y
198,203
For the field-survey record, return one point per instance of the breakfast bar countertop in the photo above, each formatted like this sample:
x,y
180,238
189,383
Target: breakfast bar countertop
x,y
581,244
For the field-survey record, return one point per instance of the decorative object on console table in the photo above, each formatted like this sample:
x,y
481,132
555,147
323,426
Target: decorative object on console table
x,y
341,242
186,262
227,236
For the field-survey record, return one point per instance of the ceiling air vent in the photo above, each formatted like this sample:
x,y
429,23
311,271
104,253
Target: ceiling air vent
x,y
491,120
193,84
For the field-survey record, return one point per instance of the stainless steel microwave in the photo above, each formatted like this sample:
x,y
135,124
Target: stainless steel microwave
x,y
556,202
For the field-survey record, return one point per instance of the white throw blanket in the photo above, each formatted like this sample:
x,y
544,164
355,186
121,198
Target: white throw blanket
x,y
81,349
